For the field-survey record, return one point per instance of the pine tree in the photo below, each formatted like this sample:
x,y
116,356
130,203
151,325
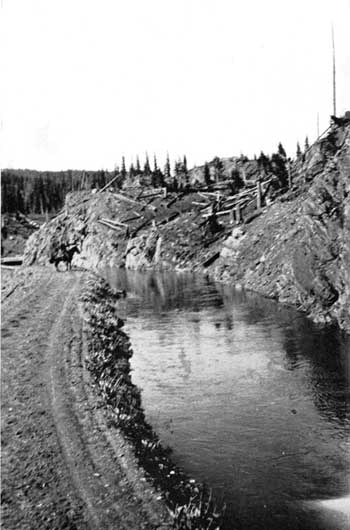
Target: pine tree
x,y
237,181
185,173
177,168
147,167
207,178
123,169
279,168
138,166
155,166
264,162
281,151
298,153
178,174
132,170
167,169
218,168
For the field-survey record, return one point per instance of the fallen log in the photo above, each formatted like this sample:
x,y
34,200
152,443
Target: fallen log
x,y
7,267
168,219
12,260
218,214
173,216
129,219
170,203
127,199
114,222
149,195
109,225
238,198
205,193
202,194
202,204
241,194
137,229
108,184
224,212
211,259
6,295
254,215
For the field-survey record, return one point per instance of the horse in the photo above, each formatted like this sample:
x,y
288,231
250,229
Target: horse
x,y
64,253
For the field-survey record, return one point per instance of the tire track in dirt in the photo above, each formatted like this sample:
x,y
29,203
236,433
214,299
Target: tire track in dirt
x,y
60,467
36,489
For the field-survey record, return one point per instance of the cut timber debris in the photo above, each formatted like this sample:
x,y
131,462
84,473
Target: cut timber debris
x,y
211,260
127,199
149,195
109,225
252,216
203,204
6,295
170,203
114,222
168,219
108,184
134,218
204,196
12,260
223,212
140,227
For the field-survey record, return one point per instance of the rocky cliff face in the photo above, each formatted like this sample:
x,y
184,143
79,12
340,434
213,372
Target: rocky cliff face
x,y
79,224
298,250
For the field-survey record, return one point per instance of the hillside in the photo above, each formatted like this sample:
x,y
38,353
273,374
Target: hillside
x,y
298,250
295,248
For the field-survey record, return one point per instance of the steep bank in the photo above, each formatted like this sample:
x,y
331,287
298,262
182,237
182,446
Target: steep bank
x,y
296,248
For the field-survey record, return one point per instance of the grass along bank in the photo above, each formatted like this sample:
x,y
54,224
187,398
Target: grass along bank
x,y
189,503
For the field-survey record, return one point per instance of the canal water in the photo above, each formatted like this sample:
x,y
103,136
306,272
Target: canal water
x,y
251,396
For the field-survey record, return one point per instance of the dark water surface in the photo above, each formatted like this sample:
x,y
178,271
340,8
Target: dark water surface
x,y
251,396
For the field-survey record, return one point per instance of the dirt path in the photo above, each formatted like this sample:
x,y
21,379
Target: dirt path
x,y
62,466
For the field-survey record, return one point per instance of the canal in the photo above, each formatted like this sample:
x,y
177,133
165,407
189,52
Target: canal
x,y
251,396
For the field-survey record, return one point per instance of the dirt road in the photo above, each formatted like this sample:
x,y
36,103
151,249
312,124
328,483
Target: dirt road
x,y
62,466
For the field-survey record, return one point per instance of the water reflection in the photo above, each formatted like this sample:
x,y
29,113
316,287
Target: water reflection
x,y
251,395
325,350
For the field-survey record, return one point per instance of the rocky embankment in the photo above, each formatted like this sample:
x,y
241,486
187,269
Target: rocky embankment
x,y
296,249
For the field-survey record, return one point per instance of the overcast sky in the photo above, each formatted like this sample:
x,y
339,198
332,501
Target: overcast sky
x,y
85,82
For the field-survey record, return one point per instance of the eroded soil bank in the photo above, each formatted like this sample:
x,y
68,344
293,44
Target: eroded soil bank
x,y
73,429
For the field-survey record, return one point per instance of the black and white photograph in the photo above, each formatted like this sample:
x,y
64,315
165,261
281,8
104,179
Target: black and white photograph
x,y
175,264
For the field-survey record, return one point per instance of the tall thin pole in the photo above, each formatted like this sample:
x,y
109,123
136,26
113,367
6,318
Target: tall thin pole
x,y
334,86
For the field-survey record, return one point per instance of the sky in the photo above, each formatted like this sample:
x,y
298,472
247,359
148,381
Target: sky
x,y
86,82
